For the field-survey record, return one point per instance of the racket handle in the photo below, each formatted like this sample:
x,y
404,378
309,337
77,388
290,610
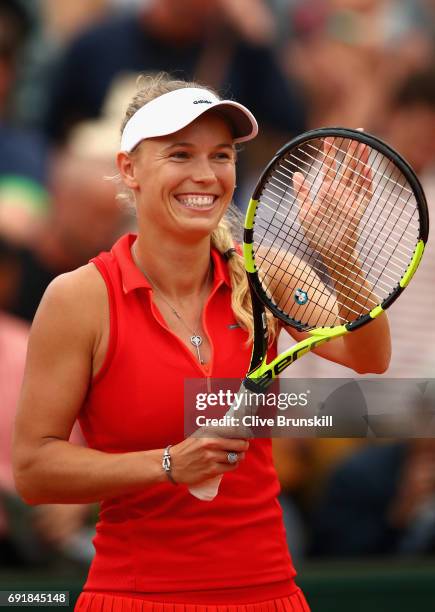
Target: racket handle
x,y
206,490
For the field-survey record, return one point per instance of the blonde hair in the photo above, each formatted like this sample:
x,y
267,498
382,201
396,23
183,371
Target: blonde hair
x,y
229,227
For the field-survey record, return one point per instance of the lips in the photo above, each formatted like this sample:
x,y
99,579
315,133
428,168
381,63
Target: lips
x,y
196,200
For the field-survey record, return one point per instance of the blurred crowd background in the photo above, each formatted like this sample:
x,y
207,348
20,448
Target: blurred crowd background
x,y
67,71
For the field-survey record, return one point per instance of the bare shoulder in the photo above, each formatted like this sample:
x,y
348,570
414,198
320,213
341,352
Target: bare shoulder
x,y
76,290
85,282
75,302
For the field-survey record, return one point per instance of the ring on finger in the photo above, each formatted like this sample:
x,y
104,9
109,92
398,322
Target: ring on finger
x,y
232,457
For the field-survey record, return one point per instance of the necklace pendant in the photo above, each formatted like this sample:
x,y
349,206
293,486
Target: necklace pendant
x,y
196,340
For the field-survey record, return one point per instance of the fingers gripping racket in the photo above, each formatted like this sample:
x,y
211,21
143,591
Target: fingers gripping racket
x,y
333,234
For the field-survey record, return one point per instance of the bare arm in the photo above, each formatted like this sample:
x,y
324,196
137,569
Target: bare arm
x,y
365,350
64,340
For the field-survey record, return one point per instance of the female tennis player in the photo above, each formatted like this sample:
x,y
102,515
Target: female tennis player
x,y
111,346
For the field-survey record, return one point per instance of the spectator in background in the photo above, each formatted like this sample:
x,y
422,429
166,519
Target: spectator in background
x,y
34,536
13,346
351,54
84,219
23,197
214,42
381,501
62,20
409,126
407,119
292,459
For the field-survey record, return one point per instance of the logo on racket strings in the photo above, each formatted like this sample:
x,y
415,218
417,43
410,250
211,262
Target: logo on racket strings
x,y
301,297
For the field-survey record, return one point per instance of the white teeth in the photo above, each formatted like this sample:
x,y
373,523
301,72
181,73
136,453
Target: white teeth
x,y
196,201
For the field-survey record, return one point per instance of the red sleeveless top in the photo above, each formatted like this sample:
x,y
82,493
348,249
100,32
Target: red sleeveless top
x,y
162,541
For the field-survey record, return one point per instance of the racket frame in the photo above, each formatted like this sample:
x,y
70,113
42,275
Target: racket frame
x,y
261,374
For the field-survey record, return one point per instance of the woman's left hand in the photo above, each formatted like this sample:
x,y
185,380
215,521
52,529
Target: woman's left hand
x,y
331,218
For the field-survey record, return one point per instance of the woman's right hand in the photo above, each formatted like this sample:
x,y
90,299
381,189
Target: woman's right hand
x,y
199,458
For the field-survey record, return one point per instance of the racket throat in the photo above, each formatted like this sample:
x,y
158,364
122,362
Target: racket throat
x,y
260,378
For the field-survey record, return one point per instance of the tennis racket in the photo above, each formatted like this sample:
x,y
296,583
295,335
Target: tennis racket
x,y
334,232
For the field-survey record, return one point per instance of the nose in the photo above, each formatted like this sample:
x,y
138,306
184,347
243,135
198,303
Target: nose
x,y
203,171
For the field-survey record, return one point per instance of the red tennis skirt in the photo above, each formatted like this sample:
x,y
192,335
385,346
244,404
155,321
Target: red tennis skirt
x,y
103,602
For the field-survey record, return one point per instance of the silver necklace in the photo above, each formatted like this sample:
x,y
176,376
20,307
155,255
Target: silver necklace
x,y
195,339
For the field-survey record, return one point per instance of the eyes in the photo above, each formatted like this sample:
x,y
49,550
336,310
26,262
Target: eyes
x,y
185,155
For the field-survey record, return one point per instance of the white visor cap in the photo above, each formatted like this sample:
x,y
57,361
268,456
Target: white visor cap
x,y
175,110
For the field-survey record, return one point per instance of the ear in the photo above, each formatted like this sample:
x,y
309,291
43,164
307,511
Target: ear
x,y
125,165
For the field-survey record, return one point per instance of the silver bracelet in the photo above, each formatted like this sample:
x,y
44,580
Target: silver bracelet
x,y
166,464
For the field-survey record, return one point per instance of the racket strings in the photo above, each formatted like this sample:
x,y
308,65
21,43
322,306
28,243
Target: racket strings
x,y
396,262
297,166
375,172
402,203
381,222
284,199
379,200
385,265
406,253
356,285
380,246
365,259
313,262
311,285
285,232
351,289
284,271
304,253
278,183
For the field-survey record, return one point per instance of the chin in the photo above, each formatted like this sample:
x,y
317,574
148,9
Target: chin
x,y
200,226
198,229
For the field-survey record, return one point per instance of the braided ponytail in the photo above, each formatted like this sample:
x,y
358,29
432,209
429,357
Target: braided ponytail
x,y
222,239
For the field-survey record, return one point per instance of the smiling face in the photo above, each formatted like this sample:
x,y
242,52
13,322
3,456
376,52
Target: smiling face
x,y
183,182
